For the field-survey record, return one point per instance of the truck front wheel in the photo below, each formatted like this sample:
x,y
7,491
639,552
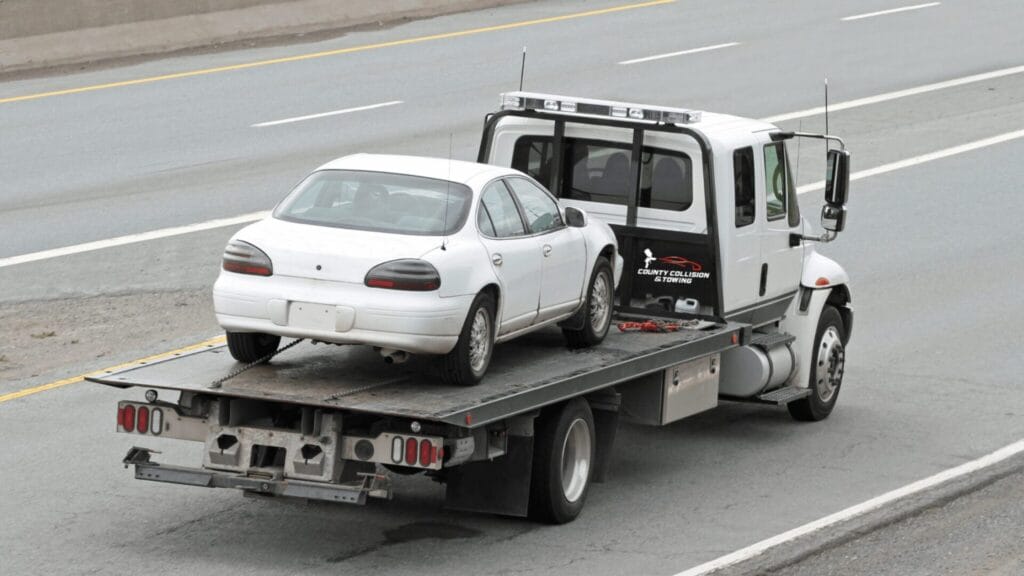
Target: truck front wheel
x,y
563,459
828,361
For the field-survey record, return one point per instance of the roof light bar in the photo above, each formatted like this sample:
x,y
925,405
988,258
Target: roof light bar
x,y
591,107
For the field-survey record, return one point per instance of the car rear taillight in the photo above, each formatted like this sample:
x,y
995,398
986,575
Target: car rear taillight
x,y
406,274
244,258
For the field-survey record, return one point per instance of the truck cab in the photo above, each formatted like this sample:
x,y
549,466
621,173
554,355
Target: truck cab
x,y
706,213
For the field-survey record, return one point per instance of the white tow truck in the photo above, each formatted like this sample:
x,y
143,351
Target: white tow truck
x,y
722,297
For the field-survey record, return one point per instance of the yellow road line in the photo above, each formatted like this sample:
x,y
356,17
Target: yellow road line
x,y
164,355
339,51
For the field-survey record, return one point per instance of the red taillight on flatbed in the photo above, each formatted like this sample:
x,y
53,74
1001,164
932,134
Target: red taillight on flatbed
x,y
410,451
128,418
425,447
142,424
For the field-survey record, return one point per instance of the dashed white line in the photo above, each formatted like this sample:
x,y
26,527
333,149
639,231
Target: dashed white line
x,y
897,94
132,239
871,505
929,157
890,11
326,114
680,53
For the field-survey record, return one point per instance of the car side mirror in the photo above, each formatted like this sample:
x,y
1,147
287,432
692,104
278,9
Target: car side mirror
x,y
575,217
833,218
837,177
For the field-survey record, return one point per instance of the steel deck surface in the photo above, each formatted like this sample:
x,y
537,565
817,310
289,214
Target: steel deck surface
x,y
527,373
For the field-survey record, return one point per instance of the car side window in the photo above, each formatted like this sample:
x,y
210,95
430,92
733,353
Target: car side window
x,y
500,209
776,180
743,176
541,210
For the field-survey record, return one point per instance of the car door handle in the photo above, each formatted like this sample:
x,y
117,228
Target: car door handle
x,y
547,250
496,258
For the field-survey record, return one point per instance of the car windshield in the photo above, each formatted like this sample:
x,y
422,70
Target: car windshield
x,y
379,202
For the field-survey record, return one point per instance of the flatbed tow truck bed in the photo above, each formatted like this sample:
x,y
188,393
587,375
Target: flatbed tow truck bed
x,y
525,374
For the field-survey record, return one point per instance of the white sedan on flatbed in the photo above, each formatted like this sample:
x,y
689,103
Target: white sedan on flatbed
x,y
417,255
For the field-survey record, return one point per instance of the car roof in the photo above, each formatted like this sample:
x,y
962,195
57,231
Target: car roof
x,y
437,168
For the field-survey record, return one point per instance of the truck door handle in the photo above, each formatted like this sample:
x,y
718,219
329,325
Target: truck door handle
x,y
547,250
764,278
496,258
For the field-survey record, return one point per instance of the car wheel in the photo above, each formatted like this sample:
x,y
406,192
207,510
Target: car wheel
x,y
563,460
597,309
251,346
466,364
828,361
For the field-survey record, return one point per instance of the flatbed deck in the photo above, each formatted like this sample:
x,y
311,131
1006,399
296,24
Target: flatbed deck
x,y
525,374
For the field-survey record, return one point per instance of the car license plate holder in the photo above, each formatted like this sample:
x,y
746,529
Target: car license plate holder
x,y
311,316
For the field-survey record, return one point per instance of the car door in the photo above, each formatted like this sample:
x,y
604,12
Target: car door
x,y
781,262
563,250
514,255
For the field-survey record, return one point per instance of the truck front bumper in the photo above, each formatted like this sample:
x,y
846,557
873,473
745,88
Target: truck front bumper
x,y
371,485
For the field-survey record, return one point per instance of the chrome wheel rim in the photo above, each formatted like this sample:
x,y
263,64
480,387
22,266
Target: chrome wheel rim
x,y
479,341
828,374
600,303
575,460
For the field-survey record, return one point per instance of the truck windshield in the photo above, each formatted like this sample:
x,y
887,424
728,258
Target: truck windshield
x,y
378,202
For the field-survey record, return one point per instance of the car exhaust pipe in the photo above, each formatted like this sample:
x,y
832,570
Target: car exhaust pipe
x,y
392,356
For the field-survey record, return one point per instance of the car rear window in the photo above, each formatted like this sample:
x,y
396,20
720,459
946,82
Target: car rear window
x,y
379,202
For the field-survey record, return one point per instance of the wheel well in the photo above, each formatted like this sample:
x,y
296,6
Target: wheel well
x,y
609,253
839,298
495,293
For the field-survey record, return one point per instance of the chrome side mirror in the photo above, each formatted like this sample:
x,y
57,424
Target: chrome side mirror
x,y
833,218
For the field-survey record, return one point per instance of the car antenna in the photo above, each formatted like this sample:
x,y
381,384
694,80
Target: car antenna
x,y
522,70
447,195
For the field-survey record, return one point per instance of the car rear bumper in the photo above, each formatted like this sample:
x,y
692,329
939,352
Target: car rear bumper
x,y
417,322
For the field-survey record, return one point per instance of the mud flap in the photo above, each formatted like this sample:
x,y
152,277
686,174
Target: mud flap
x,y
500,486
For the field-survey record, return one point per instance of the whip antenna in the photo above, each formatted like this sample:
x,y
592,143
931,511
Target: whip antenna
x,y
826,112
522,70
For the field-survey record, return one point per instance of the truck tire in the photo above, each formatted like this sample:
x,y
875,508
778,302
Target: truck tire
x,y
596,311
827,364
251,346
563,459
466,364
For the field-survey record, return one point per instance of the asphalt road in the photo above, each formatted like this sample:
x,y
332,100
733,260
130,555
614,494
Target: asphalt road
x,y
934,251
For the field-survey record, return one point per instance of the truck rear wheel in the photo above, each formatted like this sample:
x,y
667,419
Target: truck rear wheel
x,y
251,346
828,361
563,459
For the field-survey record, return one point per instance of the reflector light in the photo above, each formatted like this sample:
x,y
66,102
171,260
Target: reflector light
x,y
433,453
156,421
128,420
143,426
822,281
553,103
410,451
396,450
425,447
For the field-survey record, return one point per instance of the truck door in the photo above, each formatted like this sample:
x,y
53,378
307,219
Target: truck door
x,y
781,262
563,250
515,256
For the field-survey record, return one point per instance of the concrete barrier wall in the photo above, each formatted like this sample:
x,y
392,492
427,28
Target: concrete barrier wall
x,y
45,33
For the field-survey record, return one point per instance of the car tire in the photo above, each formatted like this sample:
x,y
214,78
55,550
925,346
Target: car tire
x,y
827,365
595,317
249,347
467,363
564,447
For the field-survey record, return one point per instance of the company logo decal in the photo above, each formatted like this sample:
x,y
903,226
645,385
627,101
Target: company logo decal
x,y
671,269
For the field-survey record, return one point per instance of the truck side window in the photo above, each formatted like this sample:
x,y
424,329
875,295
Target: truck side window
x,y
777,181
502,210
599,171
743,175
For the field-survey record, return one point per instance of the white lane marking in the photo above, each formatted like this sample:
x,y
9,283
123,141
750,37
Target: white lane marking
x,y
326,114
937,155
873,504
132,239
895,95
890,11
680,53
